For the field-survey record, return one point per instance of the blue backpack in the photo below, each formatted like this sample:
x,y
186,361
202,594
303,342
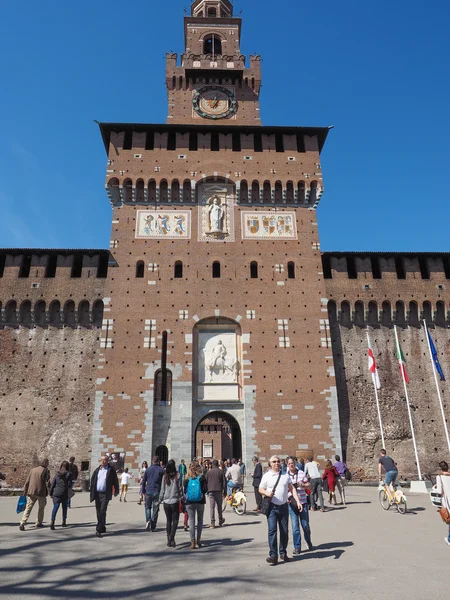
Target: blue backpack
x,y
194,490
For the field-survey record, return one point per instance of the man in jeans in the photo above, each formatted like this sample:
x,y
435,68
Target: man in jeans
x,y
278,510
389,466
151,482
234,476
312,470
216,484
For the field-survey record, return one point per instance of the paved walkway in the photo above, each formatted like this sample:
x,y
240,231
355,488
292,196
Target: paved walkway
x,y
360,552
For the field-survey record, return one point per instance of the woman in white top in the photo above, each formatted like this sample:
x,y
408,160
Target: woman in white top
x,y
443,488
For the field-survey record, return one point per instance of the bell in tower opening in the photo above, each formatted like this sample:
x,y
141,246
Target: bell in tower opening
x,y
212,9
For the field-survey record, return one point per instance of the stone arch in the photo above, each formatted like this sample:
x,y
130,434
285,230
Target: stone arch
x,y
163,191
441,320
427,313
244,192
11,313
221,430
128,190
359,314
278,192
372,314
83,313
140,191
346,317
114,191
267,192
152,191
187,191
176,197
386,314
39,313
400,319
97,313
25,316
313,188
69,313
301,191
289,192
54,313
413,314
255,191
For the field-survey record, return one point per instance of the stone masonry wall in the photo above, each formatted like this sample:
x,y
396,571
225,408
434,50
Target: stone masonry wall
x,y
46,399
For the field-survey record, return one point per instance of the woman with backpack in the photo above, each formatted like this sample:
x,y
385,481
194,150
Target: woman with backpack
x,y
59,491
195,490
170,496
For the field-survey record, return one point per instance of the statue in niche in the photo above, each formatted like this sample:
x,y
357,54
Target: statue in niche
x,y
216,215
218,365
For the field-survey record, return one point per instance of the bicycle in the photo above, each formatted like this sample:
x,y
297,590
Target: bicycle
x,y
237,500
388,497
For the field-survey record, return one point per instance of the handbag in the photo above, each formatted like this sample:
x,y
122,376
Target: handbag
x,y
443,511
266,502
21,503
347,474
292,501
70,493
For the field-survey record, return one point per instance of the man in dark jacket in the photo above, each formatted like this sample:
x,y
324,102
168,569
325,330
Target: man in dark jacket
x,y
217,485
73,470
104,483
257,476
151,482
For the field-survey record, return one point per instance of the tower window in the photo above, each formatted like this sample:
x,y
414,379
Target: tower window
x,y
236,141
279,144
150,140
140,269
178,270
212,12
193,141
399,267
326,264
172,141
2,264
50,269
216,269
77,265
258,142
254,270
291,270
102,267
351,268
212,45
424,270
25,266
300,143
128,140
163,393
376,272
215,145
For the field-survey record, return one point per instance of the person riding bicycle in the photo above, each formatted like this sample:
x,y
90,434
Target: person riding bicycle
x,y
389,467
234,477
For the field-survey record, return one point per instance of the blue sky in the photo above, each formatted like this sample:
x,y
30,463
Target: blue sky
x,y
377,71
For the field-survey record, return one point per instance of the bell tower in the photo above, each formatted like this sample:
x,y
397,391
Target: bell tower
x,y
212,84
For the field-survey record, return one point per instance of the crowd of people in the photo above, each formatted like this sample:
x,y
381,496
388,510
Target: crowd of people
x,y
286,491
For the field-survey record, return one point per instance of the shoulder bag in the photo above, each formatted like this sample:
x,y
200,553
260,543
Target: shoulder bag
x,y
266,502
292,501
443,511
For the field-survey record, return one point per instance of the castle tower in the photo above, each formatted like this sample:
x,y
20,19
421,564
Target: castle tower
x,y
215,338
213,82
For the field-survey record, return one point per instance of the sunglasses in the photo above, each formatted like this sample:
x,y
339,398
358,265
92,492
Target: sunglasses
x,y
275,461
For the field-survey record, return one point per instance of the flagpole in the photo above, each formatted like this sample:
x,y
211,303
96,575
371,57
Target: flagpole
x,y
437,384
376,398
408,407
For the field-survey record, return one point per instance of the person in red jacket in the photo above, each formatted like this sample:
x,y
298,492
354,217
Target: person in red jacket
x,y
331,475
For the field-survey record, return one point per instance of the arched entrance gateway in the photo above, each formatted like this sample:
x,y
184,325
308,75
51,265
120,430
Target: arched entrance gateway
x,y
218,435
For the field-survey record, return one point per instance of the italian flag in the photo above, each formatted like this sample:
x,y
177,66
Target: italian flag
x,y
400,357
373,365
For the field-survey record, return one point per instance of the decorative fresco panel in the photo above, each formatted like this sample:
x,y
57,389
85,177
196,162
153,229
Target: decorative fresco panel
x,y
169,224
269,225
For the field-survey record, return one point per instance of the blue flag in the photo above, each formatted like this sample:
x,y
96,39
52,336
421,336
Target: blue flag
x,y
435,358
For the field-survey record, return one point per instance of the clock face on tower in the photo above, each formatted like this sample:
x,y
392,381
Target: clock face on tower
x,y
214,102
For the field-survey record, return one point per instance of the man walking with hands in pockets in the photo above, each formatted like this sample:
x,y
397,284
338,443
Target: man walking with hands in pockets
x,y
276,487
